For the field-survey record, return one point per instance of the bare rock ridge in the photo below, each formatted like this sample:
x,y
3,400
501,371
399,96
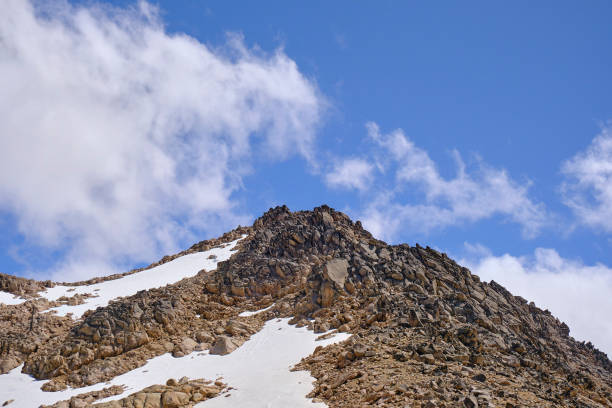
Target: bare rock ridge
x,y
21,286
425,331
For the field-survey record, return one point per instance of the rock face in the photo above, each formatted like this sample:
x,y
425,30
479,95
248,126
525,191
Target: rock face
x,y
426,331
336,270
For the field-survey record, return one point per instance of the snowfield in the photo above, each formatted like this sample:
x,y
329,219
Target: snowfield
x,y
171,272
10,299
258,370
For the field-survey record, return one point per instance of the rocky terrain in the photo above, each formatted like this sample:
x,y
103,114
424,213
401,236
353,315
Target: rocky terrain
x,y
425,332
174,393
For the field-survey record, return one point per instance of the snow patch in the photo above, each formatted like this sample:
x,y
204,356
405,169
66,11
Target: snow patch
x,y
254,312
10,299
258,370
185,266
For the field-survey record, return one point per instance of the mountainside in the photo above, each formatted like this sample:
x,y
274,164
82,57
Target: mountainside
x,y
396,326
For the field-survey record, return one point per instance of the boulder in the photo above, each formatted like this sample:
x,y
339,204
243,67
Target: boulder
x,y
336,270
174,399
153,400
186,346
7,364
223,345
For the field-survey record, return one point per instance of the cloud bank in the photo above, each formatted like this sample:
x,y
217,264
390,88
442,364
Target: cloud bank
x,y
576,293
119,140
408,192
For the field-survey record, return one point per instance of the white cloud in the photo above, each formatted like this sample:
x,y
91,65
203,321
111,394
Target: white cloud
x,y
588,190
120,139
350,173
577,294
470,196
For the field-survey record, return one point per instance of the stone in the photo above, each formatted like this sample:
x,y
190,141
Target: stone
x,y
238,291
327,295
153,400
235,327
428,359
384,254
78,403
186,346
470,402
223,345
480,377
327,218
336,270
397,276
7,364
204,337
365,270
174,399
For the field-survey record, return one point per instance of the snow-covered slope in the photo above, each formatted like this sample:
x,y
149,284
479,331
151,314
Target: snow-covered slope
x,y
259,371
183,267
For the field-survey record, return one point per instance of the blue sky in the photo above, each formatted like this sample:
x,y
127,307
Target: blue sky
x,y
523,87
131,130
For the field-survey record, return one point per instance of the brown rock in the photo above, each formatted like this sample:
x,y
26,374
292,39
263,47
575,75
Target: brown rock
x,y
428,358
223,345
186,346
174,399
238,291
7,364
327,295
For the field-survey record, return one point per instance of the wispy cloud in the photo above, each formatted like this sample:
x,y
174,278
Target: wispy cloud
x,y
120,139
350,173
437,202
576,293
588,187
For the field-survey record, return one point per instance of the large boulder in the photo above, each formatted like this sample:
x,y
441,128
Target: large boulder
x,y
223,345
337,271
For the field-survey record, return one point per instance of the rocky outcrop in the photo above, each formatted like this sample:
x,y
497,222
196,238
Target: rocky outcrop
x,y
86,399
94,349
24,329
425,331
26,288
175,394
417,315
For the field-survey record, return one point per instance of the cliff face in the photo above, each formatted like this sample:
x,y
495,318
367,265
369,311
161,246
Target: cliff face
x,y
425,331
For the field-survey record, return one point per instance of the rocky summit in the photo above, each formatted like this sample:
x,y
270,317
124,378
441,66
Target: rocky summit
x,y
421,330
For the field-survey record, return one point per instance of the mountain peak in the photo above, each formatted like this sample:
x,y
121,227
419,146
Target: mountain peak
x,y
422,328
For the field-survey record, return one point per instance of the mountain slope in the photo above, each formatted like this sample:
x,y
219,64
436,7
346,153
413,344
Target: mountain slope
x,y
424,330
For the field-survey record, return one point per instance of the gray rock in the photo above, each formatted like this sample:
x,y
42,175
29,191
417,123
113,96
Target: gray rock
x,y
337,271
223,345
